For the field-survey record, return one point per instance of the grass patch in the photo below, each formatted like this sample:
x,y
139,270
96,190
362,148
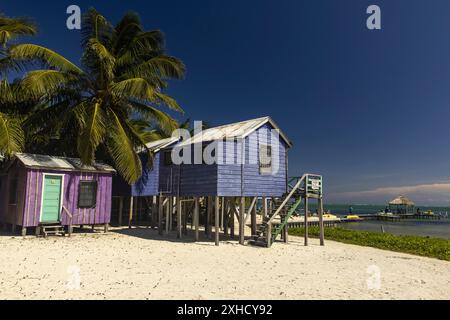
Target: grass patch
x,y
422,246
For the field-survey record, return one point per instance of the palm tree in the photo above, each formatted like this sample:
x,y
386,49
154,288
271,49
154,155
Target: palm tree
x,y
121,82
11,132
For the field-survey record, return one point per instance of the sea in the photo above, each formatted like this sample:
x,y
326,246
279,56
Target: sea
x,y
426,228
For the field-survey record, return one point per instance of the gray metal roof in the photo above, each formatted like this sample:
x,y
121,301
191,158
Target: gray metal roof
x,y
157,145
59,163
234,130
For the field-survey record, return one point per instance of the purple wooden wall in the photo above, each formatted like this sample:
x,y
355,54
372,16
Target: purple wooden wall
x,y
99,215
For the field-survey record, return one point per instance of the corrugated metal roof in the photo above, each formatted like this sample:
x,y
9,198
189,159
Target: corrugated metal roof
x,y
157,145
59,163
234,130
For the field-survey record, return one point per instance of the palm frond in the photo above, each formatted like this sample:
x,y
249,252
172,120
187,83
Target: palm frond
x,y
123,151
164,121
92,133
11,135
35,53
11,28
163,66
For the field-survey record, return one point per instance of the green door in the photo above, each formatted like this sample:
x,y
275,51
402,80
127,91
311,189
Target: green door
x,y
51,198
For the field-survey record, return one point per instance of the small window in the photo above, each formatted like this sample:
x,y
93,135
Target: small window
x,y
168,158
13,190
265,159
87,194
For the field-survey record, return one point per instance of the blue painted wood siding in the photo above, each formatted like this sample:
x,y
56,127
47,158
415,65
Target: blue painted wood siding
x,y
234,180
229,179
188,180
148,183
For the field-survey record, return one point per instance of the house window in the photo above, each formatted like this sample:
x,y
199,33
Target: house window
x,y
168,158
265,159
13,190
87,194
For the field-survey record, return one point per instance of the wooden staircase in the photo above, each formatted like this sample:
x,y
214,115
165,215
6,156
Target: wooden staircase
x,y
300,189
51,229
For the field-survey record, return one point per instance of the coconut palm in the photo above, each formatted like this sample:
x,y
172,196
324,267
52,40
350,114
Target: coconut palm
x,y
11,133
95,107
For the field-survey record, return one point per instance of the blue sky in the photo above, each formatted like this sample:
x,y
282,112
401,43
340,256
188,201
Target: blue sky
x,y
367,109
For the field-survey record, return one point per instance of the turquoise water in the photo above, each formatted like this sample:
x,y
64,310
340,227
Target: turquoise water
x,y
426,228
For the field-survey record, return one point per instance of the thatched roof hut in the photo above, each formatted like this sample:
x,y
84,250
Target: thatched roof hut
x,y
402,200
401,205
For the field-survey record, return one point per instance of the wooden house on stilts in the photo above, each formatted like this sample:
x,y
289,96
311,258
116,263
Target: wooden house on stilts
x,y
219,176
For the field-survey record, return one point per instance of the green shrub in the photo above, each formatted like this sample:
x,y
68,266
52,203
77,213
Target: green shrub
x,y
422,246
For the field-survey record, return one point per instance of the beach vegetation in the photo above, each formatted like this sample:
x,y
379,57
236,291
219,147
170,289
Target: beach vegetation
x,y
422,246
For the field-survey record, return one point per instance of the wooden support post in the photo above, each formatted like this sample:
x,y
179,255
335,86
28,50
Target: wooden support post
x,y
160,215
232,217
179,215
38,231
253,219
120,211
217,221
321,230
168,214
306,220
269,235
264,203
105,227
24,231
222,211
241,221
69,229
209,209
172,212
226,219
130,216
154,205
285,228
196,216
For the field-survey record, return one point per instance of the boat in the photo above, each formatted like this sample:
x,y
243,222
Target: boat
x,y
353,217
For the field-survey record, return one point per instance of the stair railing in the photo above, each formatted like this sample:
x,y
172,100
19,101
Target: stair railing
x,y
291,193
277,212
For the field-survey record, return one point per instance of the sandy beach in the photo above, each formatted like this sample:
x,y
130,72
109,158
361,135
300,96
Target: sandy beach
x,y
140,264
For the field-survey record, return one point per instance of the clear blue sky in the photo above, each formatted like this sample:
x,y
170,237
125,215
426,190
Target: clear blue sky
x,y
367,109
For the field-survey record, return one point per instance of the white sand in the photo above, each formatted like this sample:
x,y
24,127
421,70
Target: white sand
x,y
139,264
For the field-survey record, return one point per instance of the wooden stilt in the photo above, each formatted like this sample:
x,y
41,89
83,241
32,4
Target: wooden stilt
x,y
120,211
217,221
196,216
179,217
222,212
253,219
172,211
209,217
106,227
168,214
321,230
241,221
154,216
38,231
160,215
69,230
226,217
306,221
232,217
24,231
264,203
130,216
